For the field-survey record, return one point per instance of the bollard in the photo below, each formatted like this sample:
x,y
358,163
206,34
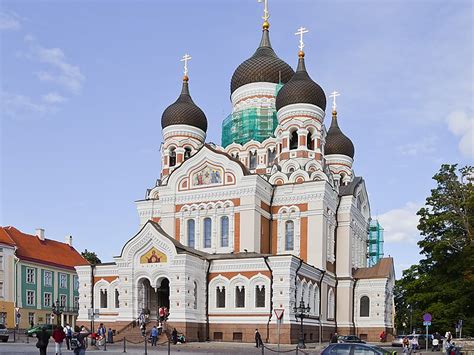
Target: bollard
x,y
27,339
169,346
124,345
297,350
14,335
146,345
105,343
263,349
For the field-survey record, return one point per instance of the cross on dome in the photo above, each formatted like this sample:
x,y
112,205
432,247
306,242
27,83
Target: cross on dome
x,y
266,14
301,31
185,59
334,94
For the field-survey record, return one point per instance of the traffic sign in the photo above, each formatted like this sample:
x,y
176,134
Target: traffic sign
x,y
426,323
279,312
427,317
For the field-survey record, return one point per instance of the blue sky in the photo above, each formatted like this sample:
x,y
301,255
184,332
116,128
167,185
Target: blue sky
x,y
84,85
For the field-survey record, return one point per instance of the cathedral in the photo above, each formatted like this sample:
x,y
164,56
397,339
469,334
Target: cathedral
x,y
232,235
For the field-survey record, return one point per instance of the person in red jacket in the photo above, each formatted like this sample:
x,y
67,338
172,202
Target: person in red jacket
x,y
58,336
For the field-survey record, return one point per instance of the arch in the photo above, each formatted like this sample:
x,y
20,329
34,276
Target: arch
x,y
271,155
316,300
253,160
364,306
309,141
187,153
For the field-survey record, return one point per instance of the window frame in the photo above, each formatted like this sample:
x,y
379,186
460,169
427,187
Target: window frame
x,y
260,290
207,237
240,290
221,291
50,303
289,242
31,275
33,293
62,277
50,283
62,297
188,223
224,237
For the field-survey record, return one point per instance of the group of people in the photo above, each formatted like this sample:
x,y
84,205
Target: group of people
x,y
75,340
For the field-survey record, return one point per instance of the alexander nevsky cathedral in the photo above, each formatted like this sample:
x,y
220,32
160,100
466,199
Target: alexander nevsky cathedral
x,y
273,217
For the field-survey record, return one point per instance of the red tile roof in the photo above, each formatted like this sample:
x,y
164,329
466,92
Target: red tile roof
x,y
5,238
50,252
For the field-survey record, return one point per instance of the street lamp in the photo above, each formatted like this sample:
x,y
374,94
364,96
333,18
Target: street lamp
x,y
301,312
57,311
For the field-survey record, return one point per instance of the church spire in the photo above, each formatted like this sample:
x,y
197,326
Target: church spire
x,y
266,15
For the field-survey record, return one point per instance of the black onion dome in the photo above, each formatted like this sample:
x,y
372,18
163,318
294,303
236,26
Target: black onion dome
x,y
263,66
337,142
184,111
301,89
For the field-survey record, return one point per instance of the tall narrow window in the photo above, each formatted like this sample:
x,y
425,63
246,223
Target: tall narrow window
x,y
239,296
172,156
224,231
191,233
294,140
253,160
220,297
289,235
195,295
309,142
187,153
271,154
331,304
103,299
117,301
207,232
364,306
260,296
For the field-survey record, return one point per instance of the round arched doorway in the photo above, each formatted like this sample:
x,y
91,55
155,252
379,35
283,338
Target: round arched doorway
x,y
150,298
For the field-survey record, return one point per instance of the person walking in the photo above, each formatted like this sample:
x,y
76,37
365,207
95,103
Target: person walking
x,y
80,338
68,332
334,338
110,336
43,341
406,345
58,336
414,344
258,339
154,335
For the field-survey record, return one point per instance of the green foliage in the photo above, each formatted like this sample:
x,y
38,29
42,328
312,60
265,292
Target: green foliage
x,y
443,282
91,257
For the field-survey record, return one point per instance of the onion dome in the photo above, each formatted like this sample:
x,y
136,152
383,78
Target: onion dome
x,y
336,141
301,89
263,66
184,111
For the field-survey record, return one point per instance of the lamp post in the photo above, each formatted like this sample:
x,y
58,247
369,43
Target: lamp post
x,y
57,311
301,312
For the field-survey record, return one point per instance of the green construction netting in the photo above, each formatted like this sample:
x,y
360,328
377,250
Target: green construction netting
x,y
375,242
254,123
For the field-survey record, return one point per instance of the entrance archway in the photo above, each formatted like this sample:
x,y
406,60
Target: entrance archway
x,y
150,298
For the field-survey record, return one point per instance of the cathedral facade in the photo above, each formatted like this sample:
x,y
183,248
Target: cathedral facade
x,y
230,233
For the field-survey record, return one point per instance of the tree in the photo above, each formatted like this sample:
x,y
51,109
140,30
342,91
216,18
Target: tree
x,y
91,257
443,282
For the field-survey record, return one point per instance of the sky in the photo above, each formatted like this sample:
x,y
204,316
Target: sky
x,y
84,84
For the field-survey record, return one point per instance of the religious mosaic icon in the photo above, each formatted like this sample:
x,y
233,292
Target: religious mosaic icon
x,y
207,176
153,256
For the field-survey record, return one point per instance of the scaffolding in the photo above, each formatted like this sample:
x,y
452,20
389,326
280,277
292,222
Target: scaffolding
x,y
257,123
375,242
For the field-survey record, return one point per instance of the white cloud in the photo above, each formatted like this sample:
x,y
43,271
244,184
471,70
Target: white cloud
x,y
61,71
461,125
424,146
9,21
53,98
19,106
400,224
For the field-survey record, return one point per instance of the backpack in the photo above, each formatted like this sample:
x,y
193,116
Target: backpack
x,y
69,332
76,343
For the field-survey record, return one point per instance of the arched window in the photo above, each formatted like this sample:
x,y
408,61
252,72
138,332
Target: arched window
x,y
316,300
224,231
260,296
271,155
195,295
364,306
239,296
331,304
191,230
309,142
103,298
220,296
253,160
187,153
207,232
289,235
294,140
117,302
172,156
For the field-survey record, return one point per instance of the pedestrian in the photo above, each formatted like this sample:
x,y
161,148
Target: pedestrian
x,y
101,332
334,338
258,339
43,340
110,336
406,344
382,336
32,324
79,340
174,336
160,328
414,344
447,345
143,329
161,313
68,332
58,336
154,335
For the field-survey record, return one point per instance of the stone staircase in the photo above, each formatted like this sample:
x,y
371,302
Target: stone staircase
x,y
133,334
